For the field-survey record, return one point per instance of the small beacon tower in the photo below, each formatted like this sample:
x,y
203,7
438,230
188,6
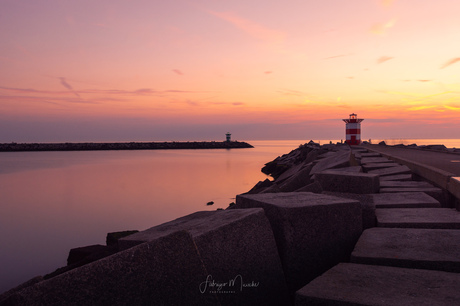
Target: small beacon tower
x,y
228,137
353,130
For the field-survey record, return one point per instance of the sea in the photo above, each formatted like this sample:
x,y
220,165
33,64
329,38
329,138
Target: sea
x,y
52,202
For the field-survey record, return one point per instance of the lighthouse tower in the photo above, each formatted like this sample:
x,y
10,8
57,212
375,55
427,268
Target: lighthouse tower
x,y
353,130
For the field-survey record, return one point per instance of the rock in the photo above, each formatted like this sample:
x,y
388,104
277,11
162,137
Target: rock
x,y
382,143
356,284
404,200
409,248
78,254
167,271
313,232
338,160
261,185
232,244
314,187
112,238
297,180
350,182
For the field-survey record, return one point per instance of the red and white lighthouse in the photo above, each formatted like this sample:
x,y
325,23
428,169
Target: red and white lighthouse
x,y
353,130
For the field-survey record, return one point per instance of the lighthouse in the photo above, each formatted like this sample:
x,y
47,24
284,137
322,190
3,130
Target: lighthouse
x,y
353,130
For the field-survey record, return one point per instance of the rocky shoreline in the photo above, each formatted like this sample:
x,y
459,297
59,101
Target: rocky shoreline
x,y
92,146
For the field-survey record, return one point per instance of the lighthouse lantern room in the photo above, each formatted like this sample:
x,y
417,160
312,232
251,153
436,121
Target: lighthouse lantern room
x,y
353,130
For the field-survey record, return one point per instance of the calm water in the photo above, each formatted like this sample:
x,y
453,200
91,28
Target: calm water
x,y
54,201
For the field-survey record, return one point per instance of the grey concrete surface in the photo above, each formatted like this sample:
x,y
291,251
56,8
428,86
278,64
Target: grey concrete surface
x,y
354,284
433,249
313,232
351,182
404,200
232,244
435,218
167,271
391,171
397,177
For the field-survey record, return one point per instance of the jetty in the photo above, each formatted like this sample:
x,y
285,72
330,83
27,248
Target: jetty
x,y
335,225
92,146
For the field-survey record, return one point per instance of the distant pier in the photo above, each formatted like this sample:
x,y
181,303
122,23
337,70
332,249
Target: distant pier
x,y
93,146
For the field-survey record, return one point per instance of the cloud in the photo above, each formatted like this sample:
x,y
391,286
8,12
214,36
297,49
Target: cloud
x,y
383,59
336,56
178,72
251,28
268,72
450,62
67,85
424,81
382,28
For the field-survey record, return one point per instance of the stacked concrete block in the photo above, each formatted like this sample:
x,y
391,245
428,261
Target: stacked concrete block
x,y
341,181
313,232
207,258
409,248
237,247
391,171
404,200
166,271
435,218
338,159
355,284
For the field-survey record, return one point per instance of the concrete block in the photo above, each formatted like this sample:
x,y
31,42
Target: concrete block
x,y
370,154
404,200
432,249
392,171
434,192
367,206
375,166
337,160
314,187
233,244
167,271
354,284
355,169
289,172
435,218
454,187
397,177
372,160
313,232
406,184
350,182
297,180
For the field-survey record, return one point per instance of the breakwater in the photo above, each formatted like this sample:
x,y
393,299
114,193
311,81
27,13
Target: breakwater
x,y
91,146
335,225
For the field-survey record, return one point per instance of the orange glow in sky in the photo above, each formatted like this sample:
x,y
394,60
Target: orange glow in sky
x,y
138,70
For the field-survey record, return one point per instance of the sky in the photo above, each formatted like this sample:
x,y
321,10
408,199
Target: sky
x,y
151,70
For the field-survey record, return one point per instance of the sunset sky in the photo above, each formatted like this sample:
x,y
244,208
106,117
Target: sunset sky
x,y
119,70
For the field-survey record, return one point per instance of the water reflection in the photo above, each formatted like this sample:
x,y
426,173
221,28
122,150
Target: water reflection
x,y
55,201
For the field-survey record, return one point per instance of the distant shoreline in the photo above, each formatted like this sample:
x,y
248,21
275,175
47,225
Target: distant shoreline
x,y
106,146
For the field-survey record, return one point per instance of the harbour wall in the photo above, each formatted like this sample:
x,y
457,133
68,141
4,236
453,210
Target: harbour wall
x,y
91,146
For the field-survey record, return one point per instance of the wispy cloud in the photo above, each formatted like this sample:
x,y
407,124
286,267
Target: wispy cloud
x,y
450,62
67,85
382,28
251,28
336,56
383,59
178,72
